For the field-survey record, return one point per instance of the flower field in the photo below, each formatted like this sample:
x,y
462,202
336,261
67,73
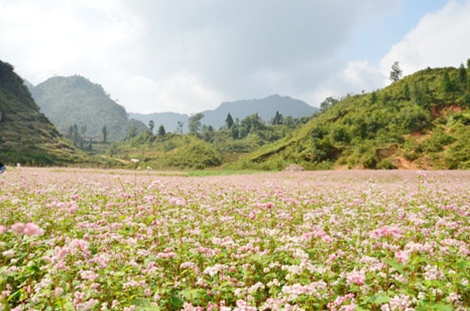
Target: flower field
x,y
74,239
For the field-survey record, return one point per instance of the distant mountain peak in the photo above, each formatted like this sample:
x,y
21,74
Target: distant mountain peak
x,y
265,107
75,100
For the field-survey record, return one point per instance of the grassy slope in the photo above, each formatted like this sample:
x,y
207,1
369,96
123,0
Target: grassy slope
x,y
26,135
413,123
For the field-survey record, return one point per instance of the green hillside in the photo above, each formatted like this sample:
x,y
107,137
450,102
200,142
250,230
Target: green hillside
x,y
421,121
26,135
70,101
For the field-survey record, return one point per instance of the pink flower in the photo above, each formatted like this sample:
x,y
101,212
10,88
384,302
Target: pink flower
x,y
355,277
178,201
318,234
3,229
18,228
252,215
392,231
402,256
28,229
242,305
32,229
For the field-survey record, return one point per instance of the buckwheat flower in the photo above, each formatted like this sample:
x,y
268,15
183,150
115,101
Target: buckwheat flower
x,y
402,257
3,229
453,297
58,291
9,253
269,205
178,201
355,277
397,303
392,231
350,307
242,305
432,273
32,229
18,228
88,275
147,292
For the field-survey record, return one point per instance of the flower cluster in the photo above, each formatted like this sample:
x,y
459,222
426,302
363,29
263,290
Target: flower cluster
x,y
338,241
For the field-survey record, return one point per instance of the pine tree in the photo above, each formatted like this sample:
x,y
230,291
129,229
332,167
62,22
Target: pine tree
x,y
396,72
161,131
104,130
229,121
151,126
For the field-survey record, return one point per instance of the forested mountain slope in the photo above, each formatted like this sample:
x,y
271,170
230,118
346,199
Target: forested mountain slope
x,y
26,134
420,121
70,101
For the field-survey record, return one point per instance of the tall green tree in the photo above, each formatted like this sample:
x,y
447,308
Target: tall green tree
x,y
104,130
179,128
83,130
194,125
151,126
277,119
396,73
229,121
327,103
161,131
462,77
449,86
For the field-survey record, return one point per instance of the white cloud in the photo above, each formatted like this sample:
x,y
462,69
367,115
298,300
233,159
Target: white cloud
x,y
357,77
146,95
187,56
439,40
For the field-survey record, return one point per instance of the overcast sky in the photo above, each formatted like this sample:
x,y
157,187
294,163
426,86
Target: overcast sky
x,y
189,56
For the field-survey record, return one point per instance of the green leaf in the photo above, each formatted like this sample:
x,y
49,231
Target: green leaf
x,y
463,264
378,299
33,268
140,302
442,307
119,273
176,301
394,263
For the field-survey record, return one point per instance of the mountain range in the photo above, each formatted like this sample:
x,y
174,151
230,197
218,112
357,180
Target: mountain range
x,y
265,108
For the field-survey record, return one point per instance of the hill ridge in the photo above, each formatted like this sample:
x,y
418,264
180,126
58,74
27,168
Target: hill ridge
x,y
265,107
75,100
26,135
422,120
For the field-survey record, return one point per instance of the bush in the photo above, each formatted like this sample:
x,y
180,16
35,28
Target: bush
x,y
386,164
197,155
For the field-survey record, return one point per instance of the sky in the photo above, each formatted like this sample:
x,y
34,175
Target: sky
x,y
188,56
